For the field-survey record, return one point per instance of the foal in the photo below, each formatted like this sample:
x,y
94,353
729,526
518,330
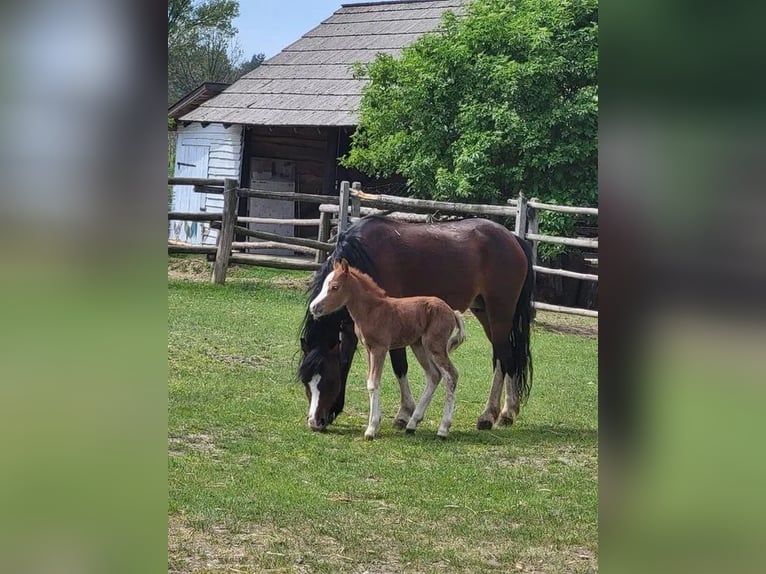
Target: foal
x,y
427,324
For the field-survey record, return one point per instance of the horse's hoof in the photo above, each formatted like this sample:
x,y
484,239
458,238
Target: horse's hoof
x,y
442,436
410,431
504,421
399,424
368,436
484,425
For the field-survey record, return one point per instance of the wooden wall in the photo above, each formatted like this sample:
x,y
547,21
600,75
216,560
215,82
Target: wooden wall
x,y
224,144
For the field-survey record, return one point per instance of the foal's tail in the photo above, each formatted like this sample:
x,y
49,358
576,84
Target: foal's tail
x,y
458,333
521,356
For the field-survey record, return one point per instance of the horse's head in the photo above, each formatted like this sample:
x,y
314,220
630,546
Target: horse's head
x,y
320,373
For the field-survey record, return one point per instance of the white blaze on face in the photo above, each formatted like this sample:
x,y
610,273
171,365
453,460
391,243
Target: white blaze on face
x,y
314,388
322,294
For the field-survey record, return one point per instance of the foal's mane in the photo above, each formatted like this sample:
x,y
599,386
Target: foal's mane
x,y
368,283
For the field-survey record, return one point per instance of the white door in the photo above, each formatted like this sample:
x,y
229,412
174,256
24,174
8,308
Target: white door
x,y
191,161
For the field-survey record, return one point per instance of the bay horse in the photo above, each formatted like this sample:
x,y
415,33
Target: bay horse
x,y
472,263
426,324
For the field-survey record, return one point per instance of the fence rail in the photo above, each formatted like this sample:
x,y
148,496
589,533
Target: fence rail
x,y
352,203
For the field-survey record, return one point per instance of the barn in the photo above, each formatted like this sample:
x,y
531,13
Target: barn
x,y
284,125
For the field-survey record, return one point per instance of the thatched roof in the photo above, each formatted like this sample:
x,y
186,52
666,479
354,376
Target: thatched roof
x,y
310,82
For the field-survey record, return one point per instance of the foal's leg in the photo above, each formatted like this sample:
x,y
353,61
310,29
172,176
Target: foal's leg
x,y
377,359
432,381
450,374
406,404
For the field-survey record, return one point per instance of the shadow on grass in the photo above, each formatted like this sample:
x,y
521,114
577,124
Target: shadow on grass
x,y
522,435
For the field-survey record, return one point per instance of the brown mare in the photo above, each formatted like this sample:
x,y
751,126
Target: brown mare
x,y
473,263
426,324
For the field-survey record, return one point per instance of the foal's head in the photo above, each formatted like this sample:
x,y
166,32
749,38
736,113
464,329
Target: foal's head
x,y
335,292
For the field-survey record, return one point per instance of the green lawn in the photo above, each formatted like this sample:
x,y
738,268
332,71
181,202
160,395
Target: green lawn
x,y
252,489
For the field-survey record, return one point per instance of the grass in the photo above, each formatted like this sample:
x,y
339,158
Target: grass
x,y
251,489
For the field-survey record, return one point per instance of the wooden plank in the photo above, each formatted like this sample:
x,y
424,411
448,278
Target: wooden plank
x,y
400,215
183,216
268,220
564,208
186,248
281,238
430,206
274,262
226,235
287,195
579,242
208,189
255,245
195,181
565,273
569,310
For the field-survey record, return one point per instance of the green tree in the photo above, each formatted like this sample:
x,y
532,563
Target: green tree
x,y
499,101
201,44
251,64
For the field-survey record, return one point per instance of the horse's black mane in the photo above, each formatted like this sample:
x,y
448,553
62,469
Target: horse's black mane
x,y
321,334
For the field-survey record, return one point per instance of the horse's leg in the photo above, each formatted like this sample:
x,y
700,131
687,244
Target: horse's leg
x,y
377,359
406,404
432,381
450,374
492,408
511,409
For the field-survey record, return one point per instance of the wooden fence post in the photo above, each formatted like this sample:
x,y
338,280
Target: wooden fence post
x,y
226,235
533,226
345,193
324,234
520,227
356,203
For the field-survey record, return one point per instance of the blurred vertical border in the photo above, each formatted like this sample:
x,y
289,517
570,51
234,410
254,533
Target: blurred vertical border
x,y
682,159
83,307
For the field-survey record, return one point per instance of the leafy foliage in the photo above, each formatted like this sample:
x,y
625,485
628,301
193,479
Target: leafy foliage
x,y
499,101
202,45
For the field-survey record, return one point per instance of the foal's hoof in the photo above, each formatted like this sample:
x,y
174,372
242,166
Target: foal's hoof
x,y
442,436
484,424
505,421
399,424
369,436
410,431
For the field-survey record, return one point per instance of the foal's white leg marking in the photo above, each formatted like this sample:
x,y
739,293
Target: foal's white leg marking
x,y
314,404
433,376
374,372
374,422
428,393
323,293
407,403
449,404
493,402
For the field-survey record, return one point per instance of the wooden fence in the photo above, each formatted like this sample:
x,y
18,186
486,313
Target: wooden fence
x,y
352,203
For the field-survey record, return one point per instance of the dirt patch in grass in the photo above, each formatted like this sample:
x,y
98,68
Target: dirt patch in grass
x,y
254,548
255,362
188,269
567,324
196,442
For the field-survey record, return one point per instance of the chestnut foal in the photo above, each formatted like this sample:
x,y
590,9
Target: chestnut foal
x,y
427,324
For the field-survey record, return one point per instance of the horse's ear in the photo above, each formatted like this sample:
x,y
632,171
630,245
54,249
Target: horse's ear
x,y
344,265
304,345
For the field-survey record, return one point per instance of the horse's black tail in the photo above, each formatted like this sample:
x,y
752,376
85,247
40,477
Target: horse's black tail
x,y
521,356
